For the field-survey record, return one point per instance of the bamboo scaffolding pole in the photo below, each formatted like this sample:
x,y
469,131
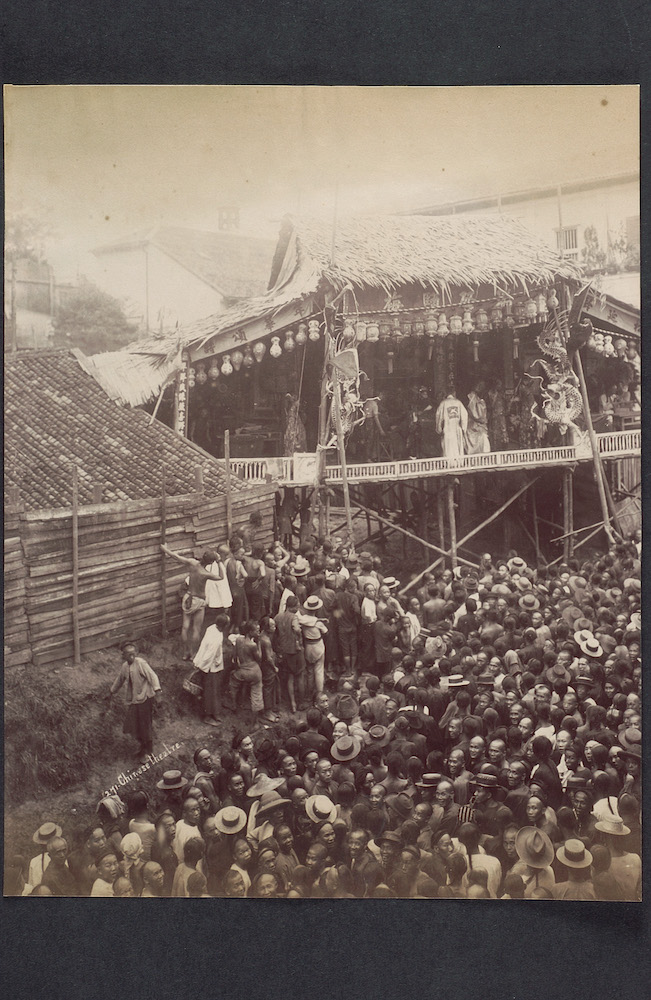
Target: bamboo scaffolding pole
x,y
75,566
534,513
163,557
594,444
452,522
227,469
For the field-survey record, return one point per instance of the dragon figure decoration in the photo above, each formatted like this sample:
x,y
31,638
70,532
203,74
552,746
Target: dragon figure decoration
x,y
561,403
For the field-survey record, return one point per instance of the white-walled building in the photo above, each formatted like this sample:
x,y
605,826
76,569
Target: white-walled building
x,y
569,217
173,275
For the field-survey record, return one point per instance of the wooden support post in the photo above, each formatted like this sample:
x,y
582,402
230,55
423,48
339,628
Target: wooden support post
x,y
227,469
566,529
327,512
397,527
75,566
163,539
440,509
570,512
342,457
452,524
496,513
594,444
534,513
403,508
423,514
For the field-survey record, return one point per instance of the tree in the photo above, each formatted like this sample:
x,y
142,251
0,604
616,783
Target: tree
x,y
93,321
594,257
24,238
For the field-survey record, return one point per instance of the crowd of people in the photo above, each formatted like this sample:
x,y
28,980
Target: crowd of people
x,y
477,735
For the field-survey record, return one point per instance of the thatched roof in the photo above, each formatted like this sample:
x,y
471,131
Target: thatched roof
x,y
378,252
388,251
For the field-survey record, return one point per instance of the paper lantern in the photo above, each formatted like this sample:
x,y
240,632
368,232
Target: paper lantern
x,y
456,324
213,371
275,350
301,334
481,320
372,332
431,324
227,368
259,350
361,331
467,324
609,349
396,333
519,312
442,327
202,378
418,328
530,311
248,358
289,344
385,331
313,328
191,378
408,329
237,359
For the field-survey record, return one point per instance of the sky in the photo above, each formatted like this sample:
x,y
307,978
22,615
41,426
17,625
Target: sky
x,y
95,163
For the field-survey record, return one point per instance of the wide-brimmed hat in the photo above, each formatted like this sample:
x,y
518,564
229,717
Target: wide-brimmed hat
x,y
320,809
429,780
265,749
401,803
391,582
263,783
534,847
435,645
313,603
377,736
557,672
299,570
345,748
529,602
583,625
614,594
614,825
523,583
588,644
577,583
457,681
635,623
352,561
271,800
414,719
171,780
230,819
347,707
632,583
501,589
46,832
582,679
485,680
571,613
577,782
574,854
631,742
517,563
485,779
390,836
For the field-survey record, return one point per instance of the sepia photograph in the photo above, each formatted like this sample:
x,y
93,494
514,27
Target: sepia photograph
x,y
322,492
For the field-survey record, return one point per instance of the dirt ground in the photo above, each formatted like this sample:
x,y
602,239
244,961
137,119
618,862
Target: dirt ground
x,y
64,743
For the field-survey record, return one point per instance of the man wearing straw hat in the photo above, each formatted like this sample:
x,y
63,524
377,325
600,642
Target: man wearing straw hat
x,y
625,867
577,860
313,629
536,853
39,863
58,877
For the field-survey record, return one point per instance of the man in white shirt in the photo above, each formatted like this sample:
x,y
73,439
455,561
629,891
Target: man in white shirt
x,y
107,872
188,826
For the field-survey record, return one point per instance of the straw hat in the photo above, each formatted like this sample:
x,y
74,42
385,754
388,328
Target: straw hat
x,y
614,825
269,801
529,602
313,603
573,854
263,783
320,809
230,819
171,780
517,564
631,742
391,582
345,748
377,736
46,832
588,644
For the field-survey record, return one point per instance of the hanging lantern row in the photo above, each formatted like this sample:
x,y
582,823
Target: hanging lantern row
x,y
235,360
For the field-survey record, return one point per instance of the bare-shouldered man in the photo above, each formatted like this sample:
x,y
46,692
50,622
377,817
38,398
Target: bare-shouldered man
x,y
194,602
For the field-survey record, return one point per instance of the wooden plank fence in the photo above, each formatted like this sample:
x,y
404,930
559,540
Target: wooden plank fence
x,y
117,586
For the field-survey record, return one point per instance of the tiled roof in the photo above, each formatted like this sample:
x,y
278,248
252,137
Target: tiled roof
x,y
57,415
236,265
